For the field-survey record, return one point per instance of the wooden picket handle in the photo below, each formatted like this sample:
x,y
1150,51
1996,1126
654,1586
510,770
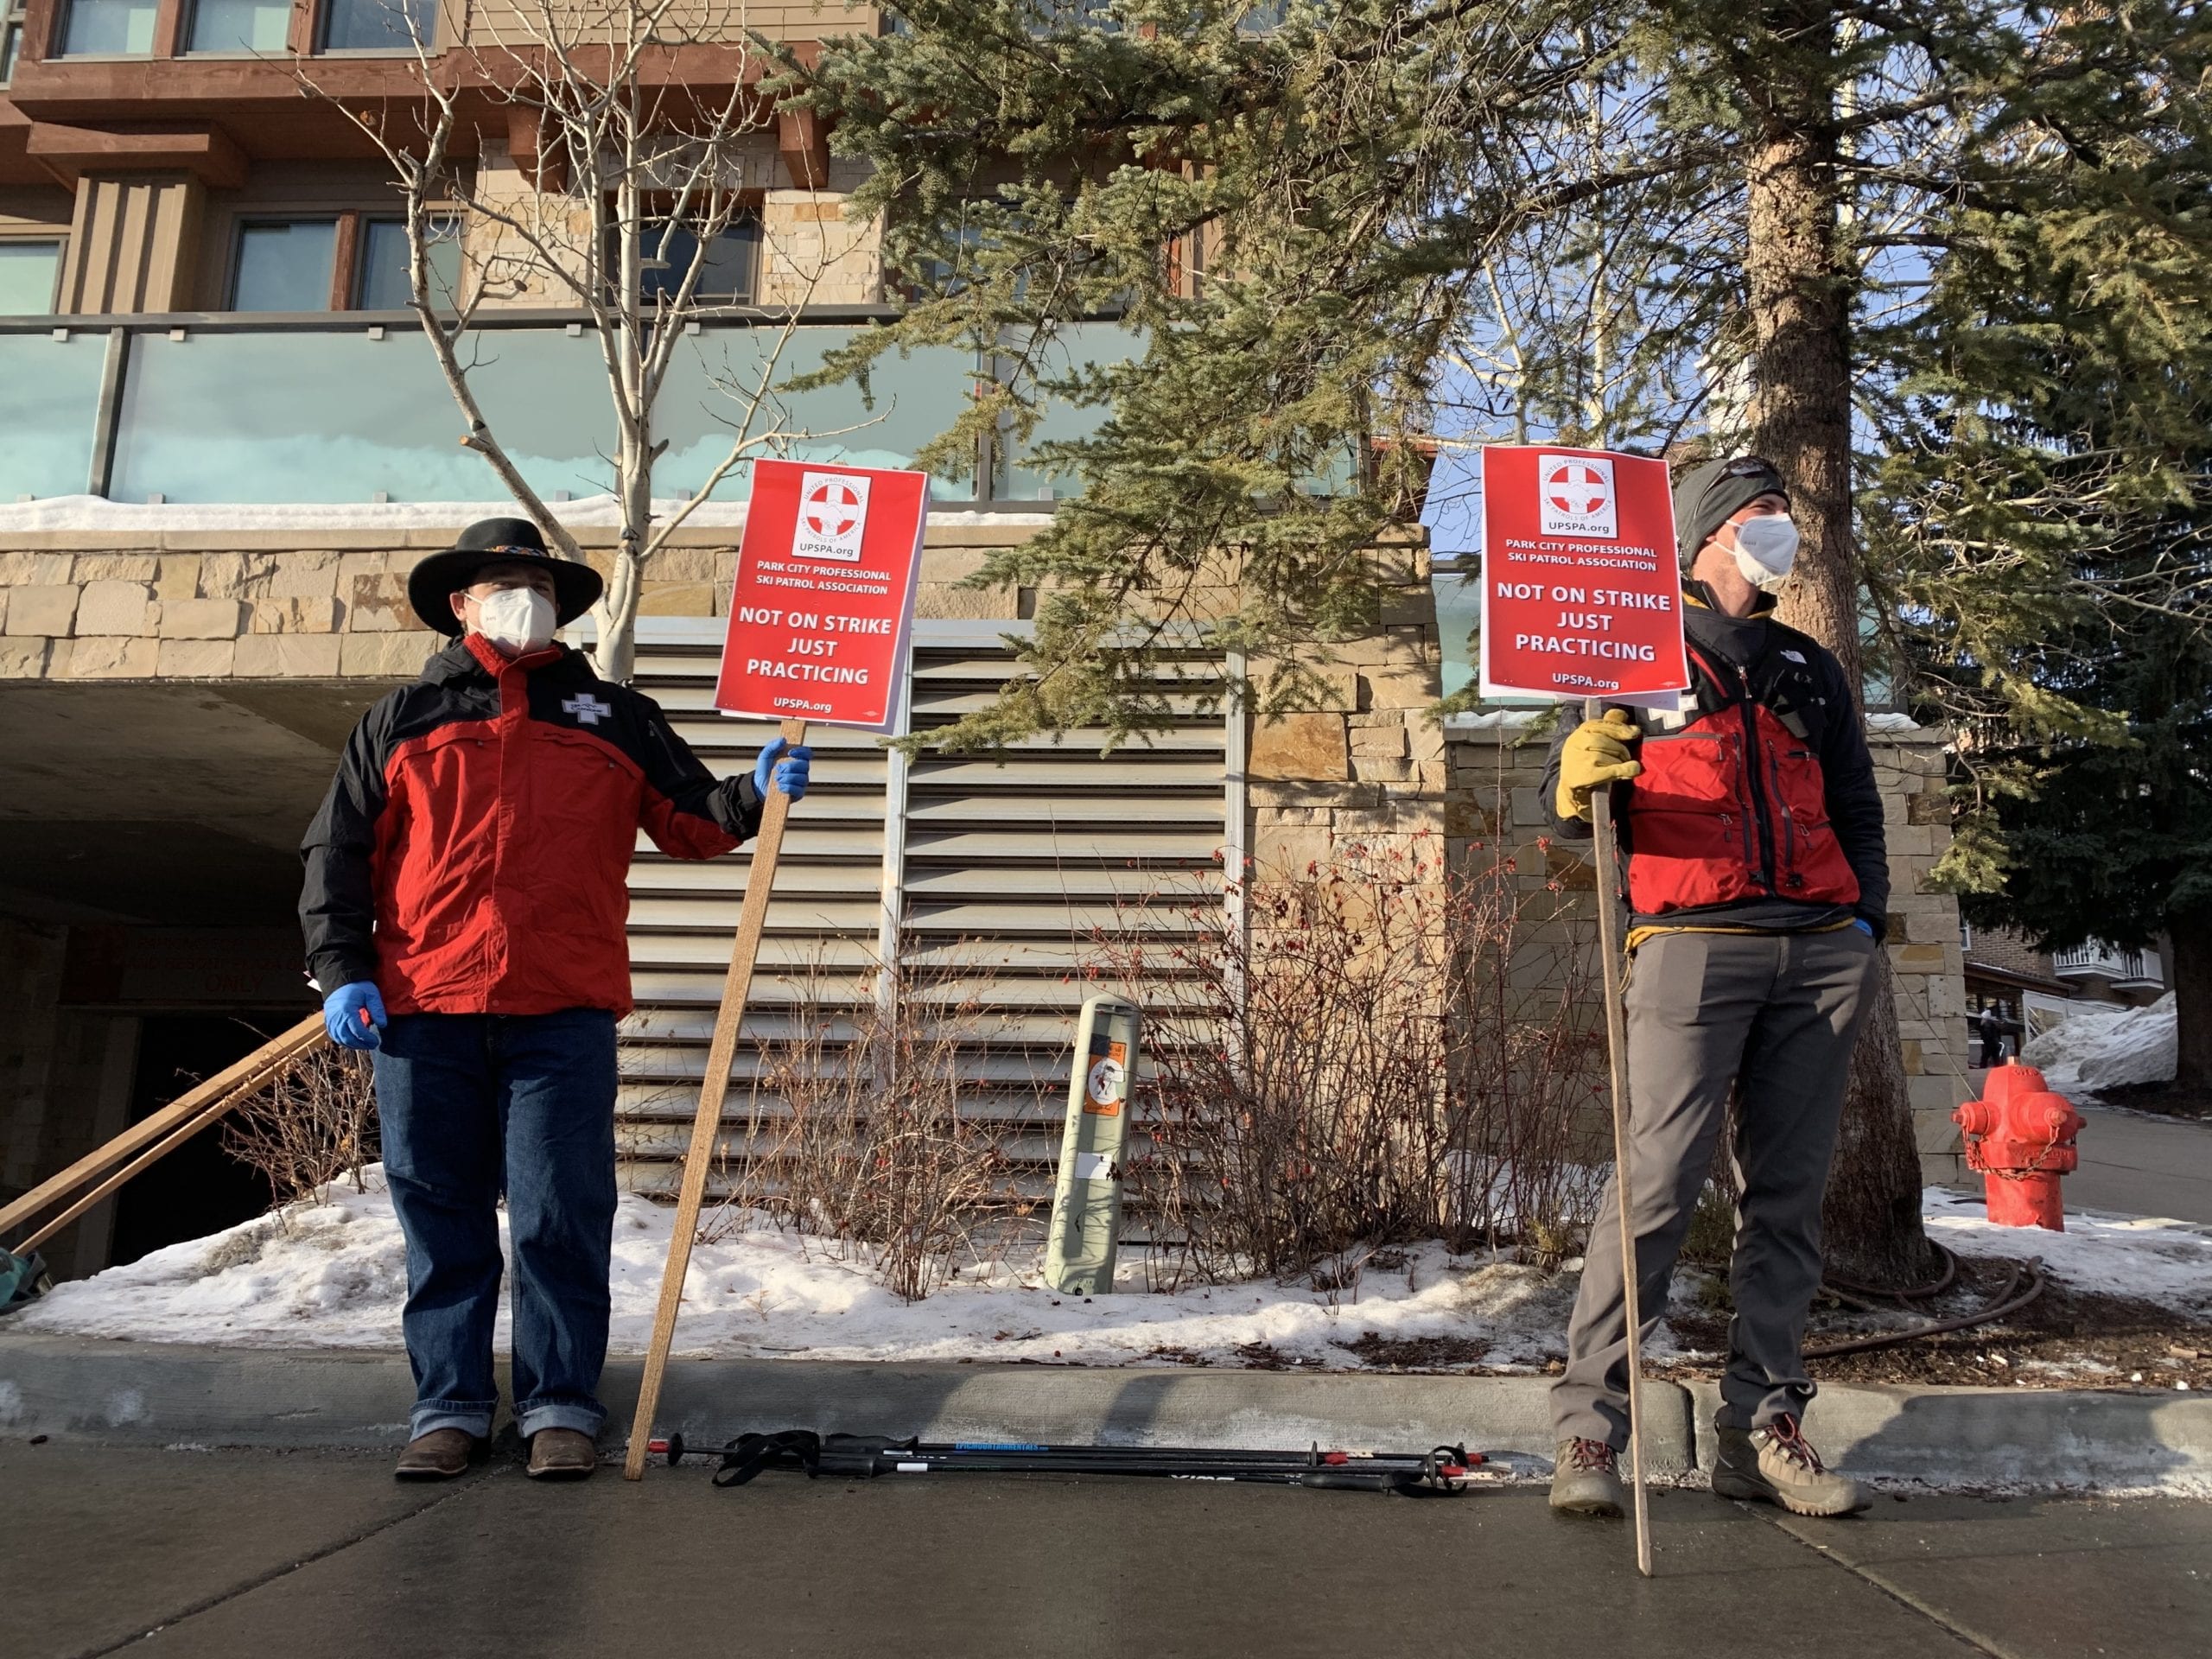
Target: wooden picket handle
x,y
192,1108
1609,946
768,847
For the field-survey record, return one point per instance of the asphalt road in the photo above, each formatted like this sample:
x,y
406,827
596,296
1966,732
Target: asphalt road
x,y
312,1554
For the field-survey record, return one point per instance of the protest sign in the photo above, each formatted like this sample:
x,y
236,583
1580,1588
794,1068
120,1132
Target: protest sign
x,y
1581,592
825,600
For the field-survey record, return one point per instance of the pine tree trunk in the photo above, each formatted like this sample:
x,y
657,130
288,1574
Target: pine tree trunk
x,y
2191,956
1801,278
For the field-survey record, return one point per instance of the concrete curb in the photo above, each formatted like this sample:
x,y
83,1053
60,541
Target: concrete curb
x,y
163,1393
2050,1440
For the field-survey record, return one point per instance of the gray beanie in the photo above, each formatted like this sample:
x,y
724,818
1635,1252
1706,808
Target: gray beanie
x,y
1713,493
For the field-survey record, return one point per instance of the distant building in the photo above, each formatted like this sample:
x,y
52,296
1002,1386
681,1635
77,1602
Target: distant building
x,y
2033,989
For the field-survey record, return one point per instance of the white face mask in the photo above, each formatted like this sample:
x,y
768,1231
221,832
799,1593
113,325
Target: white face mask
x,y
1766,548
517,619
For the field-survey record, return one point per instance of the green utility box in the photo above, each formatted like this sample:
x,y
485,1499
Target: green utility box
x,y
1087,1197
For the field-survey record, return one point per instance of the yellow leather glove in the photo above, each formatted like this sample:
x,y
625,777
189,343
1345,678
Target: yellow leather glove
x,y
1595,752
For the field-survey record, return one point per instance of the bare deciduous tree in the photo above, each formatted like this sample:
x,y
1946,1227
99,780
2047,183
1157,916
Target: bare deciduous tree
x,y
630,174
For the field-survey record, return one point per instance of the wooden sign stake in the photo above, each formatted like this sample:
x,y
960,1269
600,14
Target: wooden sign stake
x,y
1609,946
768,847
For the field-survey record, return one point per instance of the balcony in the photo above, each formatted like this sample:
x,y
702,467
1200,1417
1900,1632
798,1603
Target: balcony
x,y
2126,970
348,407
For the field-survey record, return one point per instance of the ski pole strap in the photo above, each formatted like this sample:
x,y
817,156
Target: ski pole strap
x,y
748,1454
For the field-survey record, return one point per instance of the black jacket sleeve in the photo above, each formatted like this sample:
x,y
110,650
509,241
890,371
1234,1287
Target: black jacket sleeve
x,y
1854,799
684,798
338,908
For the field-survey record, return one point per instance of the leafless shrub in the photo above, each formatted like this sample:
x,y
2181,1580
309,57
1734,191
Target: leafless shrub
x,y
316,1120
1367,1055
860,1133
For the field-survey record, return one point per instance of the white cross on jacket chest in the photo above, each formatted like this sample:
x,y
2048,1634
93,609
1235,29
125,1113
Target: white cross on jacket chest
x,y
587,709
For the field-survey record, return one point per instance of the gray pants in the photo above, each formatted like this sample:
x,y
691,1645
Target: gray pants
x,y
1777,1012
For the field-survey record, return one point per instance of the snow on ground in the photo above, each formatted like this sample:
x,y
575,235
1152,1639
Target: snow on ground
x,y
2147,1257
93,512
332,1274
2105,1046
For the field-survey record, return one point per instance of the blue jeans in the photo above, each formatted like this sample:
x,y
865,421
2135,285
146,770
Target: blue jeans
x,y
471,1104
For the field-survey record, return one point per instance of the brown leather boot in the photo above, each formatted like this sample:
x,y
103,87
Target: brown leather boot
x,y
561,1454
439,1455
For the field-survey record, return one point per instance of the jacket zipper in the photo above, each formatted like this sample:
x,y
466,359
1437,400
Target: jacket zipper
x,y
1751,774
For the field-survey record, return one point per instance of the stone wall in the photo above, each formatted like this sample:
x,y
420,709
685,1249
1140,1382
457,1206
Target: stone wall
x,y
1497,811
276,605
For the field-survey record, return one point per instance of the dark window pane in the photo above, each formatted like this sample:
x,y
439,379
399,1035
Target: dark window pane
x,y
382,284
27,274
116,27
284,267
241,25
727,274
378,25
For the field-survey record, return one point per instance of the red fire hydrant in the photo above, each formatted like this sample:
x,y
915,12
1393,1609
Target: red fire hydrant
x,y
2020,1136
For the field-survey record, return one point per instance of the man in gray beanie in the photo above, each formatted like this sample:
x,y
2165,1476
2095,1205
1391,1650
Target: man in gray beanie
x,y
1758,882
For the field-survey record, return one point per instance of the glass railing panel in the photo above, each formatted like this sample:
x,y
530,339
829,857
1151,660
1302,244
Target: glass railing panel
x,y
1023,478
313,416
307,415
49,405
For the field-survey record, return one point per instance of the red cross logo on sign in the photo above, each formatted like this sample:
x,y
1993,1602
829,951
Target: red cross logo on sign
x,y
832,516
833,508
1576,496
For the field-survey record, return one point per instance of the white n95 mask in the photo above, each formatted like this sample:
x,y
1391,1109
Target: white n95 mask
x,y
1766,548
517,619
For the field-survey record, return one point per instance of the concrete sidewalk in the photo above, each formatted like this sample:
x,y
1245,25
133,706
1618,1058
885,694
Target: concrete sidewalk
x,y
323,1556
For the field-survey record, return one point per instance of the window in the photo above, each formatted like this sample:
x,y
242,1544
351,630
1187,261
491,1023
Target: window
x,y
108,28
284,265
666,253
380,279
290,264
378,25
11,37
240,26
29,271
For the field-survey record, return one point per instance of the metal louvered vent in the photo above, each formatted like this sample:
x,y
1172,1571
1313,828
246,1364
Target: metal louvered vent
x,y
987,877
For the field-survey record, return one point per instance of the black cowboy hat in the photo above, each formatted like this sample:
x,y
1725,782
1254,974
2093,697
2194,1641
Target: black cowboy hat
x,y
432,582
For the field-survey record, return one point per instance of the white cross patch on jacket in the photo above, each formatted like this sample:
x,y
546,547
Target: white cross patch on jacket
x,y
587,709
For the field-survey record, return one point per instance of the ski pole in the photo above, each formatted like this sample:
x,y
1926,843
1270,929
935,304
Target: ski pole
x,y
1609,947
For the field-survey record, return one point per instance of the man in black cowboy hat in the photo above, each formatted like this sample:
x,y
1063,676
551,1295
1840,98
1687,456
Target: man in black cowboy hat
x,y
1758,881
464,910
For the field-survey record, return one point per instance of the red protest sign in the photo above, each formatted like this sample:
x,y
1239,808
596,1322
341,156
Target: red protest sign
x,y
824,599
1581,593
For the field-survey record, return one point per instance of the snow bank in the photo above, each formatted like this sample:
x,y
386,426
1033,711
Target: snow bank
x,y
334,1274
2147,1257
2106,1046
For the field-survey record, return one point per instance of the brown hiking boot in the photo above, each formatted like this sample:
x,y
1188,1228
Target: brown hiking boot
x,y
1587,1479
561,1454
439,1455
1775,1464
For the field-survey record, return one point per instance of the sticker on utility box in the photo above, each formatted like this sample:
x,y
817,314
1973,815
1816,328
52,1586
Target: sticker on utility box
x,y
1093,1166
1107,1083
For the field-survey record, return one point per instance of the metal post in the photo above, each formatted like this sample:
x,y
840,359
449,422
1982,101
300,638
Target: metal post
x,y
1087,1195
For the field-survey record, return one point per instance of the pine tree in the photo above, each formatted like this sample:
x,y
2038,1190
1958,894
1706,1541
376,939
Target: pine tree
x,y
1621,203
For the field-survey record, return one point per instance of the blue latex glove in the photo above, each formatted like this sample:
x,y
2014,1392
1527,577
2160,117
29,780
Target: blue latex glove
x,y
342,1015
1863,925
790,772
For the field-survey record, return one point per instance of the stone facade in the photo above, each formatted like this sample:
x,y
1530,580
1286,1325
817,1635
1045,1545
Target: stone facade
x,y
276,605
1497,810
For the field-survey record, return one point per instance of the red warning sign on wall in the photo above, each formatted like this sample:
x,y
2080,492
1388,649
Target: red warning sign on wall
x,y
825,600
1582,592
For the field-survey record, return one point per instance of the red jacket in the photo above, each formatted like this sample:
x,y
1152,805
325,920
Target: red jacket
x,y
471,856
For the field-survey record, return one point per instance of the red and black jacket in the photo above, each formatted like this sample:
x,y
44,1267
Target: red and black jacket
x,y
1757,805
471,856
